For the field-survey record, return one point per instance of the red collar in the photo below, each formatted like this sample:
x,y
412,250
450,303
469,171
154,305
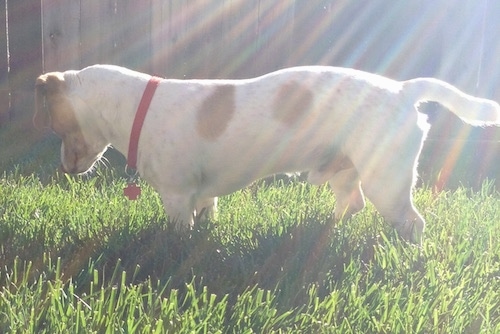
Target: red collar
x,y
140,115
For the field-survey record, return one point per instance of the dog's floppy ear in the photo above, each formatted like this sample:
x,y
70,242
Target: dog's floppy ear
x,y
46,86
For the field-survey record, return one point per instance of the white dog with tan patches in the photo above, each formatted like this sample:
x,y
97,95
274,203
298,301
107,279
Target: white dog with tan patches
x,y
205,138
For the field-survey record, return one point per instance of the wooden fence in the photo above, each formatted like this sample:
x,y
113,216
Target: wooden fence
x,y
456,40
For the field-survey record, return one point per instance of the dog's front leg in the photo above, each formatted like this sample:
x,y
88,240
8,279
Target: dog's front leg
x,y
345,185
179,209
206,209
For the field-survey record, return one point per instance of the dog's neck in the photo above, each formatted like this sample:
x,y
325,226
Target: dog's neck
x,y
110,117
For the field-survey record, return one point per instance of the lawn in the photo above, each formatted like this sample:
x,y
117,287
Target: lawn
x,y
78,257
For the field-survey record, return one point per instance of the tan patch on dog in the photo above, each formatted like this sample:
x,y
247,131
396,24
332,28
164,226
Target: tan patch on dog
x,y
54,106
216,112
291,102
61,114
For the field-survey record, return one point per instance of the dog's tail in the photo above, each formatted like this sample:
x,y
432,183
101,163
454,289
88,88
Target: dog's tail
x,y
472,110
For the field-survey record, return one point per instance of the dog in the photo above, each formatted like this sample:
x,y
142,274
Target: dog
x,y
360,132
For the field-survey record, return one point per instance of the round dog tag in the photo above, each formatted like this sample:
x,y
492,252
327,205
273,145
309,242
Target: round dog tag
x,y
132,191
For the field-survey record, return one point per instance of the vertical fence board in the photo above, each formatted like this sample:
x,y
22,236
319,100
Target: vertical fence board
x,y
99,23
61,34
210,34
4,68
275,33
25,53
178,16
240,46
133,34
160,36
93,46
462,44
106,39
24,45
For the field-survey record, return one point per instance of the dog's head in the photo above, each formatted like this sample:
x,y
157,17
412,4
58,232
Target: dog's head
x,y
64,112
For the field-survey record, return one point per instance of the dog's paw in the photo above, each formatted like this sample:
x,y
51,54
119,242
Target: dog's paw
x,y
411,230
180,226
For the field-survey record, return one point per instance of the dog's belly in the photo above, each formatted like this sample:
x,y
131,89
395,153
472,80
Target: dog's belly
x,y
221,176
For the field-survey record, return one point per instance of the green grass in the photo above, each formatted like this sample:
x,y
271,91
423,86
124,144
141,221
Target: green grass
x,y
77,257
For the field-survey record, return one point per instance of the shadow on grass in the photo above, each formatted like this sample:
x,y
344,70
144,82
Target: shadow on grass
x,y
311,252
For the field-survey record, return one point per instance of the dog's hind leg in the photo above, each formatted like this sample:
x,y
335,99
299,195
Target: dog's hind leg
x,y
343,179
389,187
346,186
